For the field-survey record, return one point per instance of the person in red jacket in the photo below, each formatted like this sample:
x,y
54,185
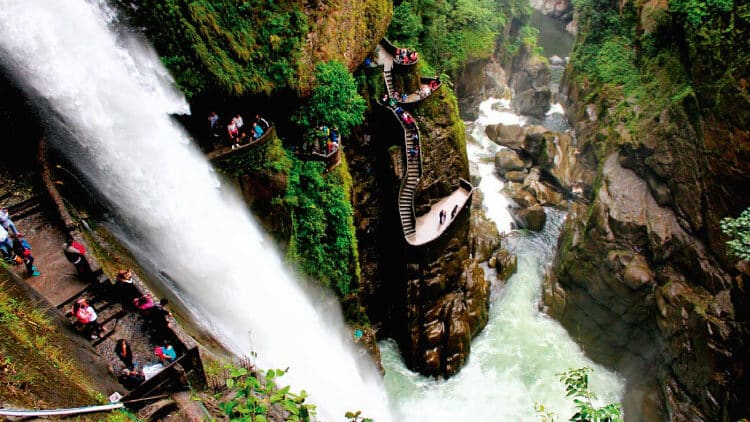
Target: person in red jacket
x,y
76,255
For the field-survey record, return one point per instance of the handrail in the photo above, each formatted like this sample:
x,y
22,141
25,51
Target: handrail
x,y
223,151
423,81
331,160
405,178
61,412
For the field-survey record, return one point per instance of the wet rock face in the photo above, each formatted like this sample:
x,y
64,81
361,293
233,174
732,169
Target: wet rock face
x,y
558,9
644,295
477,82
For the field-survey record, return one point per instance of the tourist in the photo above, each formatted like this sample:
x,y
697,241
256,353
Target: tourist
x,y
335,137
122,350
413,57
454,211
144,303
22,250
213,124
413,152
7,223
262,122
125,287
232,130
329,146
441,217
158,320
213,120
368,62
6,245
404,97
257,131
166,353
86,315
131,378
76,255
237,120
434,84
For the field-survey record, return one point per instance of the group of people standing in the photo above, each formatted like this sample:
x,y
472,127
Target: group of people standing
x,y
14,246
330,137
236,132
155,315
406,56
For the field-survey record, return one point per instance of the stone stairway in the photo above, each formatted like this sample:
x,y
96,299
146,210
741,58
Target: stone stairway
x,y
388,76
413,165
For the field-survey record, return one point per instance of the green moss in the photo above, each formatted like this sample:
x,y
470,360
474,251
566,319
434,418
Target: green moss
x,y
323,245
33,358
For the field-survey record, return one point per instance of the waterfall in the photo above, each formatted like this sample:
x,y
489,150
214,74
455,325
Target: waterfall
x,y
109,99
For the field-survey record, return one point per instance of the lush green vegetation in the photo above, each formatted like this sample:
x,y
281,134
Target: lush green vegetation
x,y
32,357
323,244
257,397
451,32
576,383
270,156
738,229
334,102
241,47
661,56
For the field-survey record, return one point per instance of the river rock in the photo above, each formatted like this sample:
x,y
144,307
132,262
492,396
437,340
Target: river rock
x,y
511,136
532,218
506,264
515,176
521,197
508,160
533,102
544,193
484,236
534,139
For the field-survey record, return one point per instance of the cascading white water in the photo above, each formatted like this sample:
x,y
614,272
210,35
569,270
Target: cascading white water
x,y
113,98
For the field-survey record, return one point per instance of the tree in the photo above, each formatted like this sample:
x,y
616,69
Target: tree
x,y
738,229
334,102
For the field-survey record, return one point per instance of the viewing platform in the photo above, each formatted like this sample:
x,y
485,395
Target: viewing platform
x,y
224,151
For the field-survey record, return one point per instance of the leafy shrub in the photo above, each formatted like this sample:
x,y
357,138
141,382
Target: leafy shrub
x,y
323,243
256,397
576,383
738,229
334,101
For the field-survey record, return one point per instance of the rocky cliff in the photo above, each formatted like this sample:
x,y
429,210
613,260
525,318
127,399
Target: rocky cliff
x,y
642,278
514,70
432,298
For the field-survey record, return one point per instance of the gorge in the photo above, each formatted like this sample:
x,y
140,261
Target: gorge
x,y
609,194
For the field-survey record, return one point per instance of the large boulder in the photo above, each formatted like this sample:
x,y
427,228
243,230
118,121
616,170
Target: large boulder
x,y
508,160
521,197
533,102
532,218
511,136
506,264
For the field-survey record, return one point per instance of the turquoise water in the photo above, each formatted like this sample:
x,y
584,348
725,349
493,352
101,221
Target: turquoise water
x,y
553,37
513,362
